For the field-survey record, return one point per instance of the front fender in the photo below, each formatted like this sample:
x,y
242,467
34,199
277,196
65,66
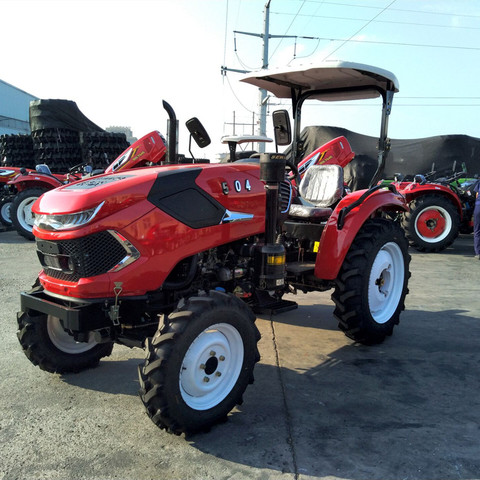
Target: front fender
x,y
335,242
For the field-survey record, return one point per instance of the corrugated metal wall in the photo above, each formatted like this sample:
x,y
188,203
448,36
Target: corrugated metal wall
x,y
14,107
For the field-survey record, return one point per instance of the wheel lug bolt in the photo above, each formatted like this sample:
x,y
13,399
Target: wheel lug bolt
x,y
221,358
212,353
202,366
218,374
206,379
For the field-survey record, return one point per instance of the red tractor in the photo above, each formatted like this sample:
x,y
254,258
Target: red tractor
x,y
7,192
177,259
439,209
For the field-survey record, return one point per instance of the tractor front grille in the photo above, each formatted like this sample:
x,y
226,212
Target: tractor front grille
x,y
81,257
285,196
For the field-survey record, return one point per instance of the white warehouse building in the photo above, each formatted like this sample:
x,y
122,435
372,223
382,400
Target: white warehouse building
x,y
14,109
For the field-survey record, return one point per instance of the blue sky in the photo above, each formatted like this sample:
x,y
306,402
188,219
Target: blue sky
x,y
119,58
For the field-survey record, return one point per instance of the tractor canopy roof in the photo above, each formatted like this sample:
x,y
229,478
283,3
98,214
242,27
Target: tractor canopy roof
x,y
328,81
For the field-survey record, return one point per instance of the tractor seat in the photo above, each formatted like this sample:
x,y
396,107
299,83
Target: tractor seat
x,y
320,188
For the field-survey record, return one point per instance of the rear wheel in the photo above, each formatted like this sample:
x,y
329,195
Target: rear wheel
x,y
199,363
372,284
432,224
47,344
21,211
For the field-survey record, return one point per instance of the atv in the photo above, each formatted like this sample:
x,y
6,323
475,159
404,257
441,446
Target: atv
x,y
440,209
178,259
31,184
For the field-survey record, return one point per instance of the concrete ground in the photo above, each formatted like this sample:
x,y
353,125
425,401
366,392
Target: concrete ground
x,y
321,406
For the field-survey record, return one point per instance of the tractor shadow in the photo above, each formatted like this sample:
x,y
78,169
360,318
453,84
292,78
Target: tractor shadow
x,y
462,246
113,376
407,408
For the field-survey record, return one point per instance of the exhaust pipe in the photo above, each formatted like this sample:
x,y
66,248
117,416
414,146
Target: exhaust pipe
x,y
172,134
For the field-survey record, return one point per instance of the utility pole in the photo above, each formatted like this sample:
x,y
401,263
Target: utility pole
x,y
263,97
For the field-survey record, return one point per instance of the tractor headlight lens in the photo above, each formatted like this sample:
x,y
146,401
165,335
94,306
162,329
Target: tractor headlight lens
x,y
66,221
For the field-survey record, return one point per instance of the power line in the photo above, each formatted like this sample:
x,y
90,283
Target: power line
x,y
397,105
356,5
441,98
286,32
438,105
242,63
402,44
435,13
236,97
379,21
295,57
359,30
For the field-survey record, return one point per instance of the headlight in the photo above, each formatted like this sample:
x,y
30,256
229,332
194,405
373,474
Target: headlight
x,y
66,221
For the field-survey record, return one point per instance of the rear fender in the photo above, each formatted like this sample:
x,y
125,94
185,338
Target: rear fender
x,y
412,191
336,241
32,180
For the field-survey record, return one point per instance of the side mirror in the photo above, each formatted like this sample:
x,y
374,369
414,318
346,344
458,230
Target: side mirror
x,y
198,132
282,129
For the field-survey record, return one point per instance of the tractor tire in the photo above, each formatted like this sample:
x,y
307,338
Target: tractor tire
x,y
372,283
5,211
21,211
47,344
199,363
432,224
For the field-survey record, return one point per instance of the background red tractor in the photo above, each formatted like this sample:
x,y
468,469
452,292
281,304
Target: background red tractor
x,y
29,185
7,193
440,209
177,259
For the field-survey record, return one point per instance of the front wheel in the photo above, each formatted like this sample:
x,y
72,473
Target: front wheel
x,y
5,208
432,223
199,363
372,283
21,211
47,344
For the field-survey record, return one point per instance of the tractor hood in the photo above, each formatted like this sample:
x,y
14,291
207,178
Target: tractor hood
x,y
196,195
87,201
116,189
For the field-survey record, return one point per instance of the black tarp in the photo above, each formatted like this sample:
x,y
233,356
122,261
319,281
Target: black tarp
x,y
64,114
407,157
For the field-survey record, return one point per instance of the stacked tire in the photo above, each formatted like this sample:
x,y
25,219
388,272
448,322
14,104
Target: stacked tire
x,y
58,148
100,149
16,151
61,149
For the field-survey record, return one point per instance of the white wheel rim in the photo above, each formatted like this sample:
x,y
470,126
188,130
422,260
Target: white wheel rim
x,y
6,212
385,284
65,342
25,215
448,225
211,366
